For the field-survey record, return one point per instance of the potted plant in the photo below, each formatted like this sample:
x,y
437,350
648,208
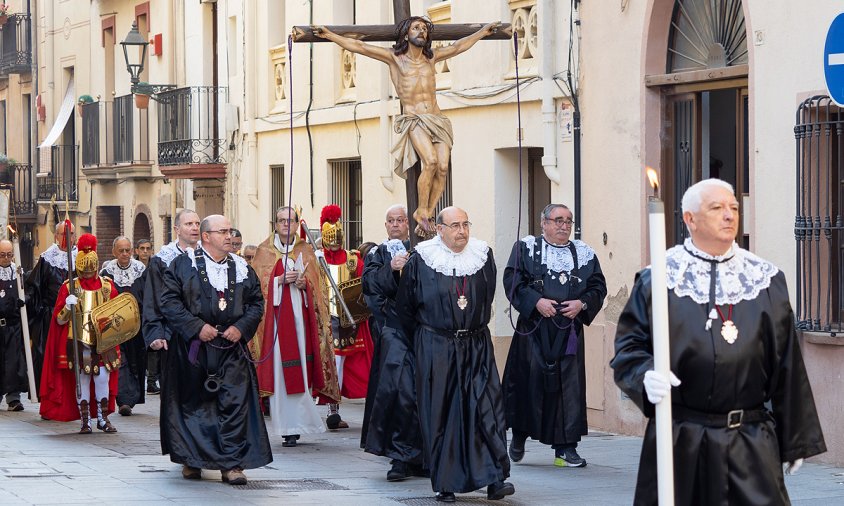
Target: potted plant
x,y
7,175
4,13
83,100
141,99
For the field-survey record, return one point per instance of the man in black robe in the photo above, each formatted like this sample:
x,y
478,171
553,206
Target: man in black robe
x,y
127,275
13,378
42,288
557,286
742,403
390,422
156,330
445,301
210,410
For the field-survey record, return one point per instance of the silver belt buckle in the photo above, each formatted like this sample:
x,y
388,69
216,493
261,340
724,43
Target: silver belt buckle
x,y
461,333
2,322
734,418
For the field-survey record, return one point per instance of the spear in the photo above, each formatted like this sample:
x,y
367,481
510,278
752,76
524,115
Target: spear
x,y
73,323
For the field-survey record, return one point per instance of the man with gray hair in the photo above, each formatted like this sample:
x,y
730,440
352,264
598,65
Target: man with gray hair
x,y
42,289
390,422
741,399
13,378
127,275
557,286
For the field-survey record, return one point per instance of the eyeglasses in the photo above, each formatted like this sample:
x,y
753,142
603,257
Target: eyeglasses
x,y
457,226
7,255
560,222
222,231
285,221
124,250
393,221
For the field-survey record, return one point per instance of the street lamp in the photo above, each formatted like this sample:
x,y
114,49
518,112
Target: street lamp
x,y
131,43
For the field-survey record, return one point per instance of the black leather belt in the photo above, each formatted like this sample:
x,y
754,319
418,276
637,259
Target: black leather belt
x,y
732,420
456,333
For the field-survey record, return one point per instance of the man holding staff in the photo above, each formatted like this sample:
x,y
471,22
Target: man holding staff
x,y
13,378
742,403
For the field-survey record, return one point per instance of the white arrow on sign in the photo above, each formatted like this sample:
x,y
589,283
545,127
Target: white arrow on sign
x,y
836,59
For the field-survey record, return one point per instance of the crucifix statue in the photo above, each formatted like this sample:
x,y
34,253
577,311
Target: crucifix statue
x,y
424,133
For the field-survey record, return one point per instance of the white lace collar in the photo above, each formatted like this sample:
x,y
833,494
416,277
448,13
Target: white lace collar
x,y
218,273
440,258
281,247
8,273
558,258
394,247
741,275
124,277
169,253
58,258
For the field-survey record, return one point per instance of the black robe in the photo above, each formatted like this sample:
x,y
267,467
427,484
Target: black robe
x,y
154,325
763,366
391,423
13,377
42,288
198,429
461,414
555,415
133,355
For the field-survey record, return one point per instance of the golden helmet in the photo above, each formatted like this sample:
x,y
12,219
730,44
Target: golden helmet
x,y
86,257
332,229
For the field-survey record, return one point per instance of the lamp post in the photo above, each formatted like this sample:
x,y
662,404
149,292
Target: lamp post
x,y
133,45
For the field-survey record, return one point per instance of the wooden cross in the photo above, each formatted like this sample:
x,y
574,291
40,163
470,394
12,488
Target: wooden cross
x,y
383,33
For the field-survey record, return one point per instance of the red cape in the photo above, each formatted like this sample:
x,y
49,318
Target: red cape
x,y
288,342
58,384
358,356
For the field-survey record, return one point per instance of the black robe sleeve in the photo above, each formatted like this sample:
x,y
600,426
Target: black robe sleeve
x,y
380,283
406,298
517,282
34,285
633,345
253,306
594,294
154,325
179,294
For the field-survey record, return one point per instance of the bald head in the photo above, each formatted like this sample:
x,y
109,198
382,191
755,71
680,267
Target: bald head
x,y
453,228
121,248
215,231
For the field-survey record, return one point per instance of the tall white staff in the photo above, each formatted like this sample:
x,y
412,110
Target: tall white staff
x,y
659,330
30,372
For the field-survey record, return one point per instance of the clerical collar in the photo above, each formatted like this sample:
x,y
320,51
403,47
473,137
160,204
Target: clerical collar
x,y
284,248
442,259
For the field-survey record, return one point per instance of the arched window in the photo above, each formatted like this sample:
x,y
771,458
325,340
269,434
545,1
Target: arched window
x,y
706,34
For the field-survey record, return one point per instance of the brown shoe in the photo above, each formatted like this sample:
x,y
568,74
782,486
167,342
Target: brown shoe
x,y
125,410
234,476
191,473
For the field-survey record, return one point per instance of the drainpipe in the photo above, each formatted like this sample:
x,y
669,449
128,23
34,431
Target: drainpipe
x,y
546,73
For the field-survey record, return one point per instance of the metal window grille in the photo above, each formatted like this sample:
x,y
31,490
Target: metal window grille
x,y
189,126
16,45
277,194
347,192
61,183
91,134
818,224
124,133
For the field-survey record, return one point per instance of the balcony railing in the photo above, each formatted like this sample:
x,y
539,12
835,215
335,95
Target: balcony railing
x,y
22,195
114,133
16,45
62,183
190,130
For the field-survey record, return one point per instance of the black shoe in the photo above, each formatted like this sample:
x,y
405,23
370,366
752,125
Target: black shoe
x,y
125,410
290,441
446,497
334,422
568,457
152,387
15,406
517,449
398,472
499,490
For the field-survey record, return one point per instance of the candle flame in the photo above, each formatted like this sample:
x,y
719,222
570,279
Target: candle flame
x,y
11,229
653,178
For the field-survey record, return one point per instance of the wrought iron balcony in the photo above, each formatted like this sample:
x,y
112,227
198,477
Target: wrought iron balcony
x,y
191,133
115,140
18,177
62,183
16,45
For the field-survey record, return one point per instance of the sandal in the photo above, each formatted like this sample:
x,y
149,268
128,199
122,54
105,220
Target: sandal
x,y
106,426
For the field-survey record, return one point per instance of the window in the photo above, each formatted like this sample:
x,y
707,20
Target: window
x,y
347,192
278,198
707,34
818,222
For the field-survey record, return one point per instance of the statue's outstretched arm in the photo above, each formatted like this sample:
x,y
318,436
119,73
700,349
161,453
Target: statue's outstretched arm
x,y
465,43
355,46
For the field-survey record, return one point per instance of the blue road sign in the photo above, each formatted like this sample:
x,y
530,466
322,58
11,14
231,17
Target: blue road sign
x,y
833,60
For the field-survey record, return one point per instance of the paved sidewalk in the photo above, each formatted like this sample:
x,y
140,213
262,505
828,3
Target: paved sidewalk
x,y
45,462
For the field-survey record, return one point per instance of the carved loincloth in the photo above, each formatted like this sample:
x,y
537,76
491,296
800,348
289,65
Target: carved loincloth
x,y
437,126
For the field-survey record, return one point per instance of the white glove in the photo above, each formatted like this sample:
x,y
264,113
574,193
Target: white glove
x,y
792,467
657,385
319,254
71,301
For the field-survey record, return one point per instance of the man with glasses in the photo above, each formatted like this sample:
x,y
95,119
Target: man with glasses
x,y
127,275
237,241
42,289
210,410
390,423
13,379
143,251
556,285
293,341
249,252
444,301
157,332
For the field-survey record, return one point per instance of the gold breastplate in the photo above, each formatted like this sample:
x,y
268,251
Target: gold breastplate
x,y
88,300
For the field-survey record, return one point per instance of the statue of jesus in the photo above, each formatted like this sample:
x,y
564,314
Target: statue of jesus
x,y
423,131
